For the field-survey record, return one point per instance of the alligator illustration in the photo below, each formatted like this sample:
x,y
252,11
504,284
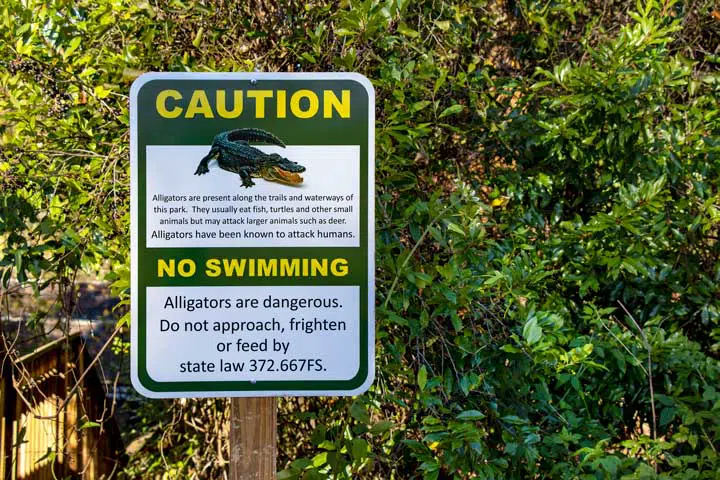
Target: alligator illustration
x,y
235,154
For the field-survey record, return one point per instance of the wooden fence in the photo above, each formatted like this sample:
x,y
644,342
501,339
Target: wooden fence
x,y
50,429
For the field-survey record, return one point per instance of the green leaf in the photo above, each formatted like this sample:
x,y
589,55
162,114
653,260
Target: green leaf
x,y
417,106
359,448
455,319
359,412
382,427
308,57
101,92
452,110
18,263
301,463
344,32
72,46
20,437
22,48
575,382
532,332
286,475
455,228
470,415
465,384
514,419
49,455
440,81
320,459
327,445
493,278
610,464
89,424
124,321
422,377
667,415
198,37
407,31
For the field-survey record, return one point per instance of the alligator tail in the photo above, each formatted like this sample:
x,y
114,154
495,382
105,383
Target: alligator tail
x,y
254,135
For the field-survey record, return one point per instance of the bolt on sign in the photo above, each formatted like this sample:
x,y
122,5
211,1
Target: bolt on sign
x,y
252,234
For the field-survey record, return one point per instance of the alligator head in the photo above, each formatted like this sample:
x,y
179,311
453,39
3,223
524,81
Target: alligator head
x,y
276,168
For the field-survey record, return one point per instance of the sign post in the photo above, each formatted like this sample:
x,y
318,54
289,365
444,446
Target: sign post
x,y
253,432
252,221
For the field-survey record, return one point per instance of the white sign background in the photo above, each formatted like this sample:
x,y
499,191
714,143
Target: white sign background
x,y
330,170
339,351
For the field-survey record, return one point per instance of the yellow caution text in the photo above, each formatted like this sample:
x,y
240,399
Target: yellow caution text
x,y
258,103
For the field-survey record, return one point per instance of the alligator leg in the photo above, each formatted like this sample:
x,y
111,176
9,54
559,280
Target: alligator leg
x,y
202,167
245,175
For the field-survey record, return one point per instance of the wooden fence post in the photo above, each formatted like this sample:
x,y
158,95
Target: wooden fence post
x,y
8,415
253,438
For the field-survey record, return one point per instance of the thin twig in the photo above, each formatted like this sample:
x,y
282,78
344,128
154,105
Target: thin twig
x,y
710,442
82,377
624,346
649,372
412,252
80,153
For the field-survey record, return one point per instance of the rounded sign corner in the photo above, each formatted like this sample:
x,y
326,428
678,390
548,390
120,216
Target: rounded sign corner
x,y
141,388
365,385
365,82
141,80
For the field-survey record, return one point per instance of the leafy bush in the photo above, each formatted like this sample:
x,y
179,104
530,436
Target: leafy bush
x,y
547,219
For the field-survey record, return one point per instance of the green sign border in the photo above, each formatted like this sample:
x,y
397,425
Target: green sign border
x,y
148,128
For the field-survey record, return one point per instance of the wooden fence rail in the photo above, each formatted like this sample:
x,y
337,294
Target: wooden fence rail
x,y
48,430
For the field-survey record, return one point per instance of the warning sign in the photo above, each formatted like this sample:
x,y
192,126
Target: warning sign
x,y
252,234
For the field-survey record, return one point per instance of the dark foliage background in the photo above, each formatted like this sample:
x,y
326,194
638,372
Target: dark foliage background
x,y
547,215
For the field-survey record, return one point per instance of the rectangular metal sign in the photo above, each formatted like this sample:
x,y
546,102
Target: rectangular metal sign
x,y
252,200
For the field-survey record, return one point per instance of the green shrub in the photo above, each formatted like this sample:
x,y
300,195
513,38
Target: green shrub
x,y
547,221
